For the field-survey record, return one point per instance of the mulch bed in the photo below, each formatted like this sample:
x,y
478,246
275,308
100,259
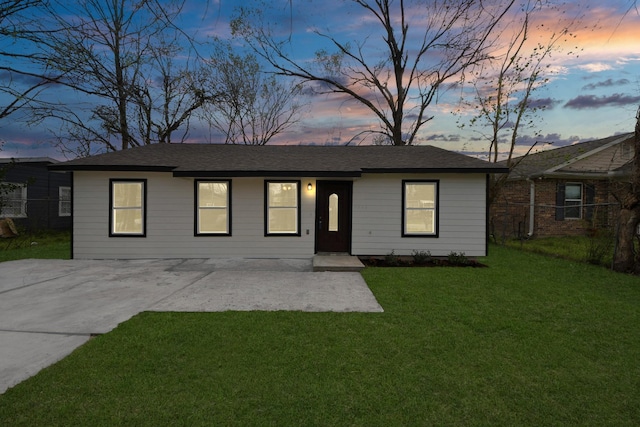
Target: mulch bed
x,y
409,262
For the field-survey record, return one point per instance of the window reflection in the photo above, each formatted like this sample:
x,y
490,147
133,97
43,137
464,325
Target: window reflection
x,y
333,212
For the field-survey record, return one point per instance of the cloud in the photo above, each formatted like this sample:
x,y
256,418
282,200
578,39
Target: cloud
x,y
606,83
524,145
595,67
544,141
546,103
440,138
17,78
17,149
627,60
583,102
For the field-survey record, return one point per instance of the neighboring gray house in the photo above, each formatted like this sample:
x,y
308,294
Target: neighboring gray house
x,y
37,199
208,201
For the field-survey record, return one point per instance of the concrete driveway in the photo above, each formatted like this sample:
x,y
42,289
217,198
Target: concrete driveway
x,y
50,307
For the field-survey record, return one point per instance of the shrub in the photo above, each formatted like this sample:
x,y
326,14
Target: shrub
x,y
391,259
421,257
458,258
599,247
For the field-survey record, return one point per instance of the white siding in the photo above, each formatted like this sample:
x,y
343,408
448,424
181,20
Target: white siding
x,y
170,221
376,222
377,216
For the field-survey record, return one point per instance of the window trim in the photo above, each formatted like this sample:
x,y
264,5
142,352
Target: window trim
x,y
579,206
60,201
23,200
113,181
197,208
267,233
436,209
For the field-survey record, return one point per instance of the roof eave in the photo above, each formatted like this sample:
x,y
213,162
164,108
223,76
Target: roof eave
x,y
589,153
18,160
439,170
110,168
274,173
262,173
574,175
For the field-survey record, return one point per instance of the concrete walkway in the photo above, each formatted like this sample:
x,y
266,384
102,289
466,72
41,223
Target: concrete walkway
x,y
50,307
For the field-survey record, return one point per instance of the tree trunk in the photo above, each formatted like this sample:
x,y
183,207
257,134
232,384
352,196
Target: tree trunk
x,y
624,257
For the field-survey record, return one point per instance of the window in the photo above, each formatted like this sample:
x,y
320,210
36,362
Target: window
x,y
573,201
213,208
64,201
333,212
128,210
13,201
282,208
420,208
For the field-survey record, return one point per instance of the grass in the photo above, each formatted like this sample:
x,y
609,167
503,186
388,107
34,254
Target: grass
x,y
42,245
596,250
529,341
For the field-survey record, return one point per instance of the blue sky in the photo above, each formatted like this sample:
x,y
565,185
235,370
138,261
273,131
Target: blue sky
x,y
594,94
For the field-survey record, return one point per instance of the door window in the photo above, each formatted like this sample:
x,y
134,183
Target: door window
x,y
333,212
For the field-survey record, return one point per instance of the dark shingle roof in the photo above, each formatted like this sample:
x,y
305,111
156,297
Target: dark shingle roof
x,y
27,160
281,160
538,164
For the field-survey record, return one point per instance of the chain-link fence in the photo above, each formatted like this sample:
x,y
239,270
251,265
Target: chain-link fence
x,y
509,220
596,223
35,214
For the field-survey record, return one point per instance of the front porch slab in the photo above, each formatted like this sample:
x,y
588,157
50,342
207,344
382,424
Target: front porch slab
x,y
337,262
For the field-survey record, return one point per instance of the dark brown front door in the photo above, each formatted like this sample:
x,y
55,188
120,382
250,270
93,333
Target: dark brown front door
x,y
333,216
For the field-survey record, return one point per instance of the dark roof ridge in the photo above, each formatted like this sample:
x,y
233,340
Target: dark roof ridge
x,y
537,163
246,160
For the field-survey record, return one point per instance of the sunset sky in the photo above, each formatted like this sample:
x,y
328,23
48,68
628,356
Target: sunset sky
x,y
593,94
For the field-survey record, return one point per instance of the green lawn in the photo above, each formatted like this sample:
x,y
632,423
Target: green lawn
x,y
596,249
44,245
529,341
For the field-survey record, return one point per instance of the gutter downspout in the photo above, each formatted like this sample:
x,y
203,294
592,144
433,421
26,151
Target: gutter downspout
x,y
532,206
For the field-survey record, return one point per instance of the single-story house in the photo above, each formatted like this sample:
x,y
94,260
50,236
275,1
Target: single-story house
x,y
208,201
563,191
36,198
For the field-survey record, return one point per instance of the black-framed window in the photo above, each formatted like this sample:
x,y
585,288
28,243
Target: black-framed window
x,y
282,208
213,208
127,207
420,208
573,200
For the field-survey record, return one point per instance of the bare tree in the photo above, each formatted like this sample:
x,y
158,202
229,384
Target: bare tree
x,y
20,84
167,103
625,258
117,56
253,107
400,80
503,85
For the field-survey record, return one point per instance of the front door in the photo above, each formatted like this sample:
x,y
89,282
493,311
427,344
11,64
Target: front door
x,y
333,216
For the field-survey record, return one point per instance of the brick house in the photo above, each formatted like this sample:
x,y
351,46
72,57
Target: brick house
x,y
563,191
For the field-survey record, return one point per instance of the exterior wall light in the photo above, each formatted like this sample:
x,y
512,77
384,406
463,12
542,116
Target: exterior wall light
x,y
309,186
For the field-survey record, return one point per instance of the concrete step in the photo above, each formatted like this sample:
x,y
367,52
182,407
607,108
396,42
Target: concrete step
x,y
337,262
